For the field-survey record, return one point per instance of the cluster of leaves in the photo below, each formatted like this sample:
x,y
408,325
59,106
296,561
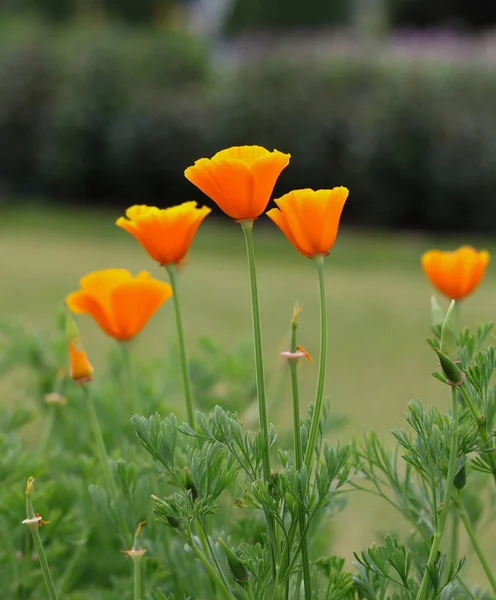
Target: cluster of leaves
x,y
215,528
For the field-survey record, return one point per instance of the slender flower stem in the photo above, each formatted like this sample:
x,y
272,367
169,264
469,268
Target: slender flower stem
x,y
130,390
319,261
247,226
100,449
448,494
210,570
171,270
293,365
33,528
454,536
475,542
480,421
137,577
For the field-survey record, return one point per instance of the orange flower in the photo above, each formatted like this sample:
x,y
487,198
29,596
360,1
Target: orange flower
x,y
310,219
455,274
119,303
80,368
166,234
240,180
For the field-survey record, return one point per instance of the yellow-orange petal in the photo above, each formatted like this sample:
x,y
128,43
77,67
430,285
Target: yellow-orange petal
x,y
82,302
266,170
133,304
246,154
280,220
455,274
80,367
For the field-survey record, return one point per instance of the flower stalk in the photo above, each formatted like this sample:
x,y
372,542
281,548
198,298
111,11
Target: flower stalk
x,y
247,227
100,449
473,539
171,270
33,522
440,523
293,365
317,409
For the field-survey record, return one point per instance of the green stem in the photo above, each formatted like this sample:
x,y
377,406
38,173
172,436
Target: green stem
x,y
454,536
100,449
314,428
33,528
171,270
481,428
475,542
448,493
210,570
137,578
293,365
130,389
247,227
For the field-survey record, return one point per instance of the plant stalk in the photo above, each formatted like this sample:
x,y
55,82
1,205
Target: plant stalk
x,y
293,365
448,493
475,542
171,270
137,577
100,449
247,227
317,409
33,528
129,382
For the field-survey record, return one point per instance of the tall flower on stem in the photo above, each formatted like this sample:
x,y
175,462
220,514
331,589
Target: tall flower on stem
x,y
166,234
455,274
121,305
240,180
310,221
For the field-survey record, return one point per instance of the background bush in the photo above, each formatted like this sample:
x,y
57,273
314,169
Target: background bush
x,y
109,114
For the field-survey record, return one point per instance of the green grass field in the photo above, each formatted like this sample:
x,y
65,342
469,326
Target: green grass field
x,y
378,306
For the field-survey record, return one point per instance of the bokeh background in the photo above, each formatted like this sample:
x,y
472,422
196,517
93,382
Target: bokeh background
x,y
104,103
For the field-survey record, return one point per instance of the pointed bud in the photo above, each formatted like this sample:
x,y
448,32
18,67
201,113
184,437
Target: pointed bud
x,y
437,313
454,375
460,479
240,572
449,332
80,367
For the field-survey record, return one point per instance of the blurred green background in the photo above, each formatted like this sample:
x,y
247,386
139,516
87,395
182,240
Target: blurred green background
x,y
104,103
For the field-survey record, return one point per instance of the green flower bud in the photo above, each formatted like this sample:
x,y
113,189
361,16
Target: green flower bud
x,y
190,486
240,572
454,375
460,479
448,333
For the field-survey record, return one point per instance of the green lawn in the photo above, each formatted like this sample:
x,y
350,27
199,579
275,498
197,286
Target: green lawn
x,y
378,303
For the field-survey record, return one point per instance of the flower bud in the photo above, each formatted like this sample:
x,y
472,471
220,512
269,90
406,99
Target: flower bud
x,y
454,375
240,572
460,479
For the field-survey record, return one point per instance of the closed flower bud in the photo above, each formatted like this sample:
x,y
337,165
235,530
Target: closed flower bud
x,y
460,479
240,572
454,375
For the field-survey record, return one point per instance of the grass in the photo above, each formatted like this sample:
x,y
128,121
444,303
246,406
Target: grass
x,y
378,302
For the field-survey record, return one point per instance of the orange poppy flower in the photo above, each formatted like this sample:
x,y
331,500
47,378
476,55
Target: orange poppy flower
x,y
240,180
310,219
455,274
80,368
120,303
166,234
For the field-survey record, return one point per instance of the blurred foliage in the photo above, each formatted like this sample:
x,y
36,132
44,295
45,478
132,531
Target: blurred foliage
x,y
105,113
267,14
426,13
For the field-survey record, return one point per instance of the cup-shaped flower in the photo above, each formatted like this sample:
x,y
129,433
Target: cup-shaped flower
x,y
166,234
310,219
455,274
240,180
80,367
120,303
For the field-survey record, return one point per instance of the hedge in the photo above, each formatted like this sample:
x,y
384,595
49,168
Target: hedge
x,y
115,116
